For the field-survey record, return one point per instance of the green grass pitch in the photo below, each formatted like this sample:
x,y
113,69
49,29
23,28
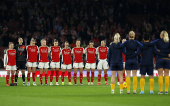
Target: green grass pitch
x,y
78,95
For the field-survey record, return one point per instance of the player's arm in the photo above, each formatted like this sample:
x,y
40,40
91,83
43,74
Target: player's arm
x,y
5,58
135,54
151,43
159,53
122,45
109,54
72,52
49,52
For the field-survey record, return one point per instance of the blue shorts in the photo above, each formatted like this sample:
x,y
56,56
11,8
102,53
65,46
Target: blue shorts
x,y
146,69
131,65
163,63
116,67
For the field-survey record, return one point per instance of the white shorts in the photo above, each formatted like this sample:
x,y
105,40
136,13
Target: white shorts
x,y
78,65
102,64
55,64
31,64
123,64
64,66
90,65
9,68
43,65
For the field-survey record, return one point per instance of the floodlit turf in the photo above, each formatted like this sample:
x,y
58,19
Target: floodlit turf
x,y
77,95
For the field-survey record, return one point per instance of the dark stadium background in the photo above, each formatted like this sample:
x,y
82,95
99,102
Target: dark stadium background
x,y
80,19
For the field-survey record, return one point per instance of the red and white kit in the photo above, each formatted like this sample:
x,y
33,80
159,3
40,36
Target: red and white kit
x,y
78,57
32,56
90,58
55,56
102,56
66,59
10,59
43,57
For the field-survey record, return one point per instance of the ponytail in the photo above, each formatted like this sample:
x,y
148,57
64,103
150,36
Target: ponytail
x,y
165,36
116,38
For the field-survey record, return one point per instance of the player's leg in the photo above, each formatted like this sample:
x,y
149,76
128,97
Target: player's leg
x,y
63,66
81,75
51,75
69,75
124,72
151,81
28,75
118,79
17,71
113,76
166,75
12,76
160,80
105,66
134,72
75,65
88,73
142,83
7,77
93,66
52,65
128,72
41,72
33,75
99,67
121,80
23,76
57,76
46,75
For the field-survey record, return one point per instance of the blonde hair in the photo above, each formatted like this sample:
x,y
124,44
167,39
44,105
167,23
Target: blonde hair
x,y
43,40
165,36
11,43
32,40
131,34
116,38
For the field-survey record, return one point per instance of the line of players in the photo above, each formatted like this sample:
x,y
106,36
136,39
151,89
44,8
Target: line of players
x,y
54,52
132,48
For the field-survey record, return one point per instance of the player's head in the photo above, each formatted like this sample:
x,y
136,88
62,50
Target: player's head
x,y
165,36
146,37
11,45
66,44
43,42
103,43
116,38
32,42
78,42
20,40
55,42
131,35
91,43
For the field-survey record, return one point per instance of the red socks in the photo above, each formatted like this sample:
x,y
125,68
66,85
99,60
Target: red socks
x,y
117,77
99,78
7,79
57,75
28,77
75,77
12,78
69,76
106,77
62,76
46,78
123,77
33,77
51,76
41,78
88,76
81,77
92,76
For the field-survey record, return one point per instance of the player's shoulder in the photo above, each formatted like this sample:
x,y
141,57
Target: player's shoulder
x,y
5,50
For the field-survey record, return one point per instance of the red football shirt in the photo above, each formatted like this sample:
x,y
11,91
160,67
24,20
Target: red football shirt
x,y
90,55
10,57
78,54
66,56
102,52
55,53
32,53
43,54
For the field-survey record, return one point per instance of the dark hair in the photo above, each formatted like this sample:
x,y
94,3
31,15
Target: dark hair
x,y
55,40
78,40
146,36
66,42
20,38
11,43
104,41
91,41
